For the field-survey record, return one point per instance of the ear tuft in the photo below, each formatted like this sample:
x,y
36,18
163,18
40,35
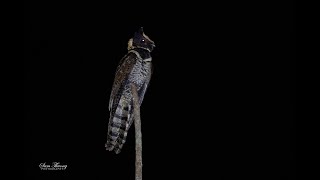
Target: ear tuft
x,y
141,30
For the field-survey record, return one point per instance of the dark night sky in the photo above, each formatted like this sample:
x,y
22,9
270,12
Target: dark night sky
x,y
221,103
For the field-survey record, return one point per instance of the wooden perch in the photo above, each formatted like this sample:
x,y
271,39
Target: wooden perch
x,y
138,135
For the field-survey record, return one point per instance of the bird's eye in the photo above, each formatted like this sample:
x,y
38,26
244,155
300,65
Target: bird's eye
x,y
142,40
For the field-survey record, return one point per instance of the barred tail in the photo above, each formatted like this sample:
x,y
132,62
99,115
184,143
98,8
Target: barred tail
x,y
119,124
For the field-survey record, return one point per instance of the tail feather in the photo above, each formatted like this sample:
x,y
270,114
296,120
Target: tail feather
x,y
118,127
122,138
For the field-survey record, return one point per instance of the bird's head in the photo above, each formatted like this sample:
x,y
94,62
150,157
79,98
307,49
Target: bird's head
x,y
140,40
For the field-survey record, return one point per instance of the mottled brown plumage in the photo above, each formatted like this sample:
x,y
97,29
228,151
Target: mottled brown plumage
x,y
135,67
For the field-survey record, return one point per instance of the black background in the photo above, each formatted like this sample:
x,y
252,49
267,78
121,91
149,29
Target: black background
x,y
220,104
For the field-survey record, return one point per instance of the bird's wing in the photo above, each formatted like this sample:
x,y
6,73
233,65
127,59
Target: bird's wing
x,y
119,107
124,69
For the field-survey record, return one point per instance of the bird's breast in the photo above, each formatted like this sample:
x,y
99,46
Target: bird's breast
x,y
140,72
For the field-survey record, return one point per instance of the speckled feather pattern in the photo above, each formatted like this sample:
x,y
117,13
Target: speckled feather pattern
x,y
135,67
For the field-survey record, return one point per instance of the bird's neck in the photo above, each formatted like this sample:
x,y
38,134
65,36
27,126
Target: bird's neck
x,y
145,54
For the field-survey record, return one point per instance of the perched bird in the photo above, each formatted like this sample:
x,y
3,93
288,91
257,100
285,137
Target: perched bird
x,y
135,67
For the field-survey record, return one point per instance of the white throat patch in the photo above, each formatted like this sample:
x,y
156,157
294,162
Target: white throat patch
x,y
147,60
